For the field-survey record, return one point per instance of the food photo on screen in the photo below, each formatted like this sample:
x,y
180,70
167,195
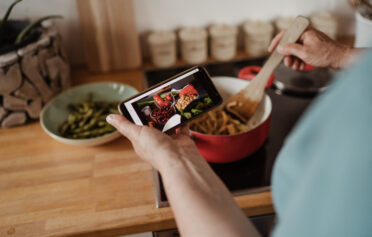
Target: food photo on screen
x,y
173,104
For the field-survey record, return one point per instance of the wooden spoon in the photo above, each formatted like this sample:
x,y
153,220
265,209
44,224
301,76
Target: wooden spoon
x,y
244,104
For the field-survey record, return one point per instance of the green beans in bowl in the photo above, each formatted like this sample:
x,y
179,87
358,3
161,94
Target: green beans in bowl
x,y
77,116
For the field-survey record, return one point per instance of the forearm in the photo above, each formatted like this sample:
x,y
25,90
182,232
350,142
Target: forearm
x,y
201,203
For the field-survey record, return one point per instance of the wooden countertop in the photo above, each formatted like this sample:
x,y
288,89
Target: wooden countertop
x,y
51,189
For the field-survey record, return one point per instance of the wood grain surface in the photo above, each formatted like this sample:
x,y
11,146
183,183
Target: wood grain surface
x,y
51,189
110,34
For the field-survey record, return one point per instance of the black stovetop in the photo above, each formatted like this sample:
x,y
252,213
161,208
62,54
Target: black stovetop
x,y
252,174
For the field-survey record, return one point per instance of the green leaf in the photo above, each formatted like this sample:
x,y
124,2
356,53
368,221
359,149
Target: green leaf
x,y
196,111
186,115
31,26
208,100
5,19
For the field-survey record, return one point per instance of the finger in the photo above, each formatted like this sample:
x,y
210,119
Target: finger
x,y
305,34
296,64
288,61
125,127
292,49
302,66
275,41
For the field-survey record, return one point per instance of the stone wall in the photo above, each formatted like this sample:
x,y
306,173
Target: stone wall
x,y
31,76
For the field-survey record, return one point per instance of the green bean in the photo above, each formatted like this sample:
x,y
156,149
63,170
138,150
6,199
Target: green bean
x,y
71,118
72,126
87,119
113,111
64,127
90,125
101,123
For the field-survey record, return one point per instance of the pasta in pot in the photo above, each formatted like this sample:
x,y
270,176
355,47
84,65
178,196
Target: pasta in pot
x,y
218,122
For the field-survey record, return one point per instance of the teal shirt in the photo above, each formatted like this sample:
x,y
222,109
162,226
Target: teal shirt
x,y
322,180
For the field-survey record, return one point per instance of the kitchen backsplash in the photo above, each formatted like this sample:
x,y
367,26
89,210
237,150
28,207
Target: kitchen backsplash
x,y
173,14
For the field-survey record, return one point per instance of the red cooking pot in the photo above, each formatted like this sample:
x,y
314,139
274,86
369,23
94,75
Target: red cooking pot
x,y
229,148
249,72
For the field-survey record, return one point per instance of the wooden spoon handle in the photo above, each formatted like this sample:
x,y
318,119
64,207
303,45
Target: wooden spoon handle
x,y
293,33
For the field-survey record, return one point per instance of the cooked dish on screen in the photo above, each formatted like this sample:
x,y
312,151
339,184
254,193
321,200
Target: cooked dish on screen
x,y
173,104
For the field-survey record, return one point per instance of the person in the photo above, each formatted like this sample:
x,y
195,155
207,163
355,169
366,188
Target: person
x,y
320,182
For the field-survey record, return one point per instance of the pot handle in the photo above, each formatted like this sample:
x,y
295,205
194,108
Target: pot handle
x,y
249,72
309,67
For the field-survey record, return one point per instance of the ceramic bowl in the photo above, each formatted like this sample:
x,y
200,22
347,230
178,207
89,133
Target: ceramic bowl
x,y
55,112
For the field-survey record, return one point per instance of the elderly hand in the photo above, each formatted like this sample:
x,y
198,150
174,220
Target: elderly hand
x,y
154,146
188,179
314,48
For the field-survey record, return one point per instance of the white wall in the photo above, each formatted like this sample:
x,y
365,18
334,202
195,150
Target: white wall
x,y
170,14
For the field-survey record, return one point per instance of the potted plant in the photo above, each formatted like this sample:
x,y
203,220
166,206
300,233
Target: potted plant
x,y
33,68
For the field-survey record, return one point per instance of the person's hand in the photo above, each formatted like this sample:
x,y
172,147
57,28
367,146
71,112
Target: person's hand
x,y
314,48
154,146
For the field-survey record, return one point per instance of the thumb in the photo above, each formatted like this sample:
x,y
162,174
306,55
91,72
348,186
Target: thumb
x,y
125,127
294,49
